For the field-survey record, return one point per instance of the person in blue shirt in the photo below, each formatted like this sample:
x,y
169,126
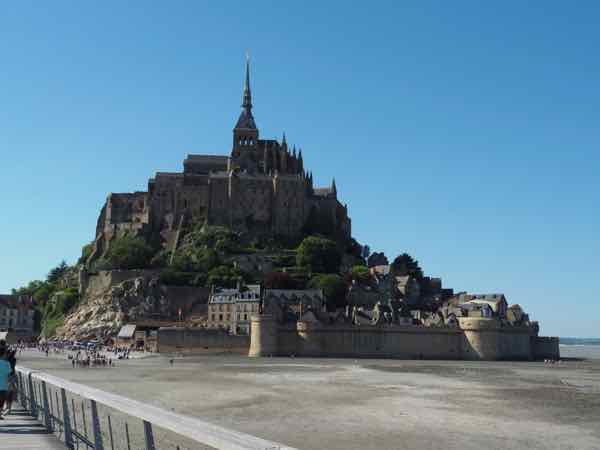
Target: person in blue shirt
x,y
5,371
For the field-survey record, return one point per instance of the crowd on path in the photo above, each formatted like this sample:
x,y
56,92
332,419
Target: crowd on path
x,y
8,378
81,355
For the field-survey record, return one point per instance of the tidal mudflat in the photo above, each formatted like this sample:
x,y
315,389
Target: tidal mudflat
x,y
367,404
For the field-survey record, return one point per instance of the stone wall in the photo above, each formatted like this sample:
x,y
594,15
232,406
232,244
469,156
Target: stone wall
x,y
200,340
475,339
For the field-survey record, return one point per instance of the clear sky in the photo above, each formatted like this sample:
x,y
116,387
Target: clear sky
x,y
464,133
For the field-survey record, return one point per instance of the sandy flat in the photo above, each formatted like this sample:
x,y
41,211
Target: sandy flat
x,y
368,404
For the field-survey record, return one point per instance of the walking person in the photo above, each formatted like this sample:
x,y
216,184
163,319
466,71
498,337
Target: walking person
x,y
5,371
13,382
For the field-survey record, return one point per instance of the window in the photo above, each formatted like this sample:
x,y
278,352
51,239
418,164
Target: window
x,y
213,318
220,317
228,316
245,316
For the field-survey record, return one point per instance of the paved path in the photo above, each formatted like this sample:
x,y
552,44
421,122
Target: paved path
x,y
18,431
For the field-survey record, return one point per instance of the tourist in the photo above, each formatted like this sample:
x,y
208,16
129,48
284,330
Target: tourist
x,y
13,382
5,371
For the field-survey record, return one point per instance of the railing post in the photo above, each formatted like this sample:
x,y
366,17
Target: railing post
x,y
47,418
96,426
21,390
127,436
66,420
32,405
149,436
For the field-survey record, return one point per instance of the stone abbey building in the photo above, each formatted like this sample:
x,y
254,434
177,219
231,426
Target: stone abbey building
x,y
261,188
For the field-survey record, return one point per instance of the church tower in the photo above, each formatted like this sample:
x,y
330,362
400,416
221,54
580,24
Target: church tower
x,y
245,133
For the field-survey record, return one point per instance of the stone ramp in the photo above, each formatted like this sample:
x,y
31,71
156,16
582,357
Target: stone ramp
x,y
19,431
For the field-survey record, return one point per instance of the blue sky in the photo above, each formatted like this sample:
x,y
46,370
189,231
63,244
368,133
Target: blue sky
x,y
461,132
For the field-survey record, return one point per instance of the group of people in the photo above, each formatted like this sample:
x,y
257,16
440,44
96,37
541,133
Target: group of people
x,y
8,378
90,359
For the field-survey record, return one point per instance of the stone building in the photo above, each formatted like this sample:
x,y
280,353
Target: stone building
x,y
262,187
247,303
17,315
292,303
221,308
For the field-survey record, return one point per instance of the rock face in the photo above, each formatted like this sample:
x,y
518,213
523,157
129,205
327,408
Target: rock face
x,y
102,312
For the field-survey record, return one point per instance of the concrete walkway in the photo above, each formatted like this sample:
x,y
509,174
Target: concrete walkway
x,y
18,431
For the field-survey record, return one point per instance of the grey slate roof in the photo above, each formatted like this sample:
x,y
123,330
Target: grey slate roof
x,y
127,331
323,192
246,121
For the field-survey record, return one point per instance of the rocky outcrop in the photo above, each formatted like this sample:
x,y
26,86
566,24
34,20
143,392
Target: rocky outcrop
x,y
101,313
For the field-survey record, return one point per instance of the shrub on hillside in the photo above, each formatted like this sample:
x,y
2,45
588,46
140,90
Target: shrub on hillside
x,y
224,276
334,288
129,252
360,274
321,255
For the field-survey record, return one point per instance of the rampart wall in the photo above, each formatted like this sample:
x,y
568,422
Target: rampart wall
x,y
200,340
474,339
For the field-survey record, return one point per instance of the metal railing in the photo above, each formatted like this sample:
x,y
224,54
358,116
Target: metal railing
x,y
87,418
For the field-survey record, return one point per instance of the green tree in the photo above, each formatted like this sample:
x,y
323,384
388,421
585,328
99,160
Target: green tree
x,y
321,255
129,252
86,251
174,277
404,265
43,293
57,272
224,276
334,289
360,274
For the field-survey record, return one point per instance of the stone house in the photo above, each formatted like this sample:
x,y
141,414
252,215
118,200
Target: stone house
x,y
247,303
17,315
408,288
221,308
294,302
126,336
497,302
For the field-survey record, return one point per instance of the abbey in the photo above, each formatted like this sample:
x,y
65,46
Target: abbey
x,y
262,187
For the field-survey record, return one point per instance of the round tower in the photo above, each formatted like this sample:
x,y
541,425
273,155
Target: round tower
x,y
263,335
481,338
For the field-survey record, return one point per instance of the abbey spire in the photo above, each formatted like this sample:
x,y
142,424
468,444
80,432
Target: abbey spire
x,y
247,97
245,133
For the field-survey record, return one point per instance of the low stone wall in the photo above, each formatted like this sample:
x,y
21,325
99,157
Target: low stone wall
x,y
200,340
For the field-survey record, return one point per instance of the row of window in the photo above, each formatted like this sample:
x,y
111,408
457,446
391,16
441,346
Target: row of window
x,y
213,317
239,307
246,141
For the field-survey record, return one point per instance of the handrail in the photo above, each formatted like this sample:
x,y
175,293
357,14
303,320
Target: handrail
x,y
189,427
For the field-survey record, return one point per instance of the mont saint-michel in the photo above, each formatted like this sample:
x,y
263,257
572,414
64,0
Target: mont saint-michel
x,y
375,231
242,253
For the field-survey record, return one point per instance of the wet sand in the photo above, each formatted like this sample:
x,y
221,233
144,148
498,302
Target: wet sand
x,y
367,404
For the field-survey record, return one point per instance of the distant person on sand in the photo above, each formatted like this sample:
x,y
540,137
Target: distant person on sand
x,y
5,371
